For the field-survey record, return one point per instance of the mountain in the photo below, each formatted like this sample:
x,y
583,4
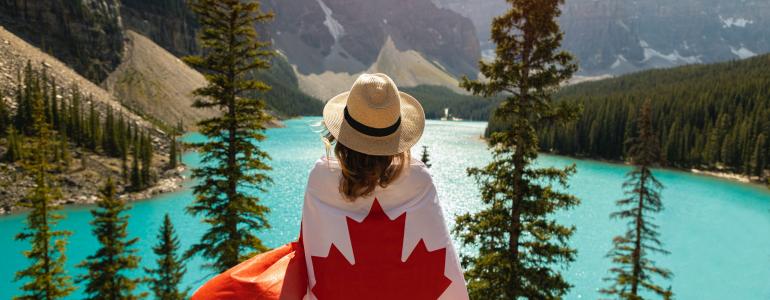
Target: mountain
x,y
622,36
328,43
155,82
86,34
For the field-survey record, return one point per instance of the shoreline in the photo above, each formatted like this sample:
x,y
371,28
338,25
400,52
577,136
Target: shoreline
x,y
171,181
734,177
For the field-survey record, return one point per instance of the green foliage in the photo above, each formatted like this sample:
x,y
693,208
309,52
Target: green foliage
x,y
231,163
633,270
47,278
108,133
173,152
165,278
519,245
434,99
425,156
13,152
106,277
707,116
5,115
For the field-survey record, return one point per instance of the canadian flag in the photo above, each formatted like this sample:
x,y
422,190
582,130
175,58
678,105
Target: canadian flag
x,y
393,244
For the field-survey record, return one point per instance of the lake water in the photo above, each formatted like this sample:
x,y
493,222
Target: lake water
x,y
718,231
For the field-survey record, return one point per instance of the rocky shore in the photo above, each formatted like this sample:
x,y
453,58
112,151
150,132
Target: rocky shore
x,y
82,181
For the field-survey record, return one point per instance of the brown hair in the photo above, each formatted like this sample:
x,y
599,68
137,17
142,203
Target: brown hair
x,y
362,173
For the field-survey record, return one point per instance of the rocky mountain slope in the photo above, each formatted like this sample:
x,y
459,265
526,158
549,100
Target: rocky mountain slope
x,y
88,169
169,23
85,34
157,83
328,40
14,55
621,36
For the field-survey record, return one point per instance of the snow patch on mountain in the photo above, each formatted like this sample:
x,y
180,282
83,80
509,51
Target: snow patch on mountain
x,y
734,22
619,62
335,28
742,52
674,57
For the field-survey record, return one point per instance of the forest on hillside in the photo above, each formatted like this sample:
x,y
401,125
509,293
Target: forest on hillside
x,y
714,117
78,126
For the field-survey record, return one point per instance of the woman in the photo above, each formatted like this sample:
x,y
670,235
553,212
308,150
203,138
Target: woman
x,y
372,225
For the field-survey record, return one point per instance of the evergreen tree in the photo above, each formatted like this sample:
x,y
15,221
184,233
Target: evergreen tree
x,y
425,156
93,138
136,175
172,152
106,278
5,117
519,246
634,270
167,276
231,161
64,152
14,141
47,278
146,160
758,162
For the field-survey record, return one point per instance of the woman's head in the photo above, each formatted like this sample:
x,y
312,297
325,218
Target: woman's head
x,y
363,173
374,125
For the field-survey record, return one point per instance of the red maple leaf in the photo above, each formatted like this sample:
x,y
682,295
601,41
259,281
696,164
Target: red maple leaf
x,y
378,272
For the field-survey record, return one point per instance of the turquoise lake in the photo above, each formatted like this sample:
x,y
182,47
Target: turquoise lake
x,y
718,231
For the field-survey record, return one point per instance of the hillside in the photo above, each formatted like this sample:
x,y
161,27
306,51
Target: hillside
x,y
86,35
15,53
156,83
89,164
714,117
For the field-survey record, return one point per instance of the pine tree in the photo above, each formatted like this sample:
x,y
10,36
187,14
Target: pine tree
x,y
146,160
232,162
136,175
64,152
519,246
167,276
172,152
14,141
425,156
47,278
634,270
5,117
106,278
758,163
94,137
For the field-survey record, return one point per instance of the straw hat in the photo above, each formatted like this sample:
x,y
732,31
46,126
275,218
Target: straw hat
x,y
374,117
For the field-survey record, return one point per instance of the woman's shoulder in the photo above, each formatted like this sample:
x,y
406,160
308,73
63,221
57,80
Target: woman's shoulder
x,y
326,166
326,174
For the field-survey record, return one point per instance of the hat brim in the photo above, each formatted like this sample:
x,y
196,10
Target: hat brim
x,y
407,135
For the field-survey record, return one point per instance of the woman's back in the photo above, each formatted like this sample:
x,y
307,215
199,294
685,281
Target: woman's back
x,y
392,244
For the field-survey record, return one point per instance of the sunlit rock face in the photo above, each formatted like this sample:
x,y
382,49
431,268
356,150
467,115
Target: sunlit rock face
x,y
169,23
621,36
349,35
86,35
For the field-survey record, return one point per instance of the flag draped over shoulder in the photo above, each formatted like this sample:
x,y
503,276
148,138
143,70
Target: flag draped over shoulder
x,y
393,244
